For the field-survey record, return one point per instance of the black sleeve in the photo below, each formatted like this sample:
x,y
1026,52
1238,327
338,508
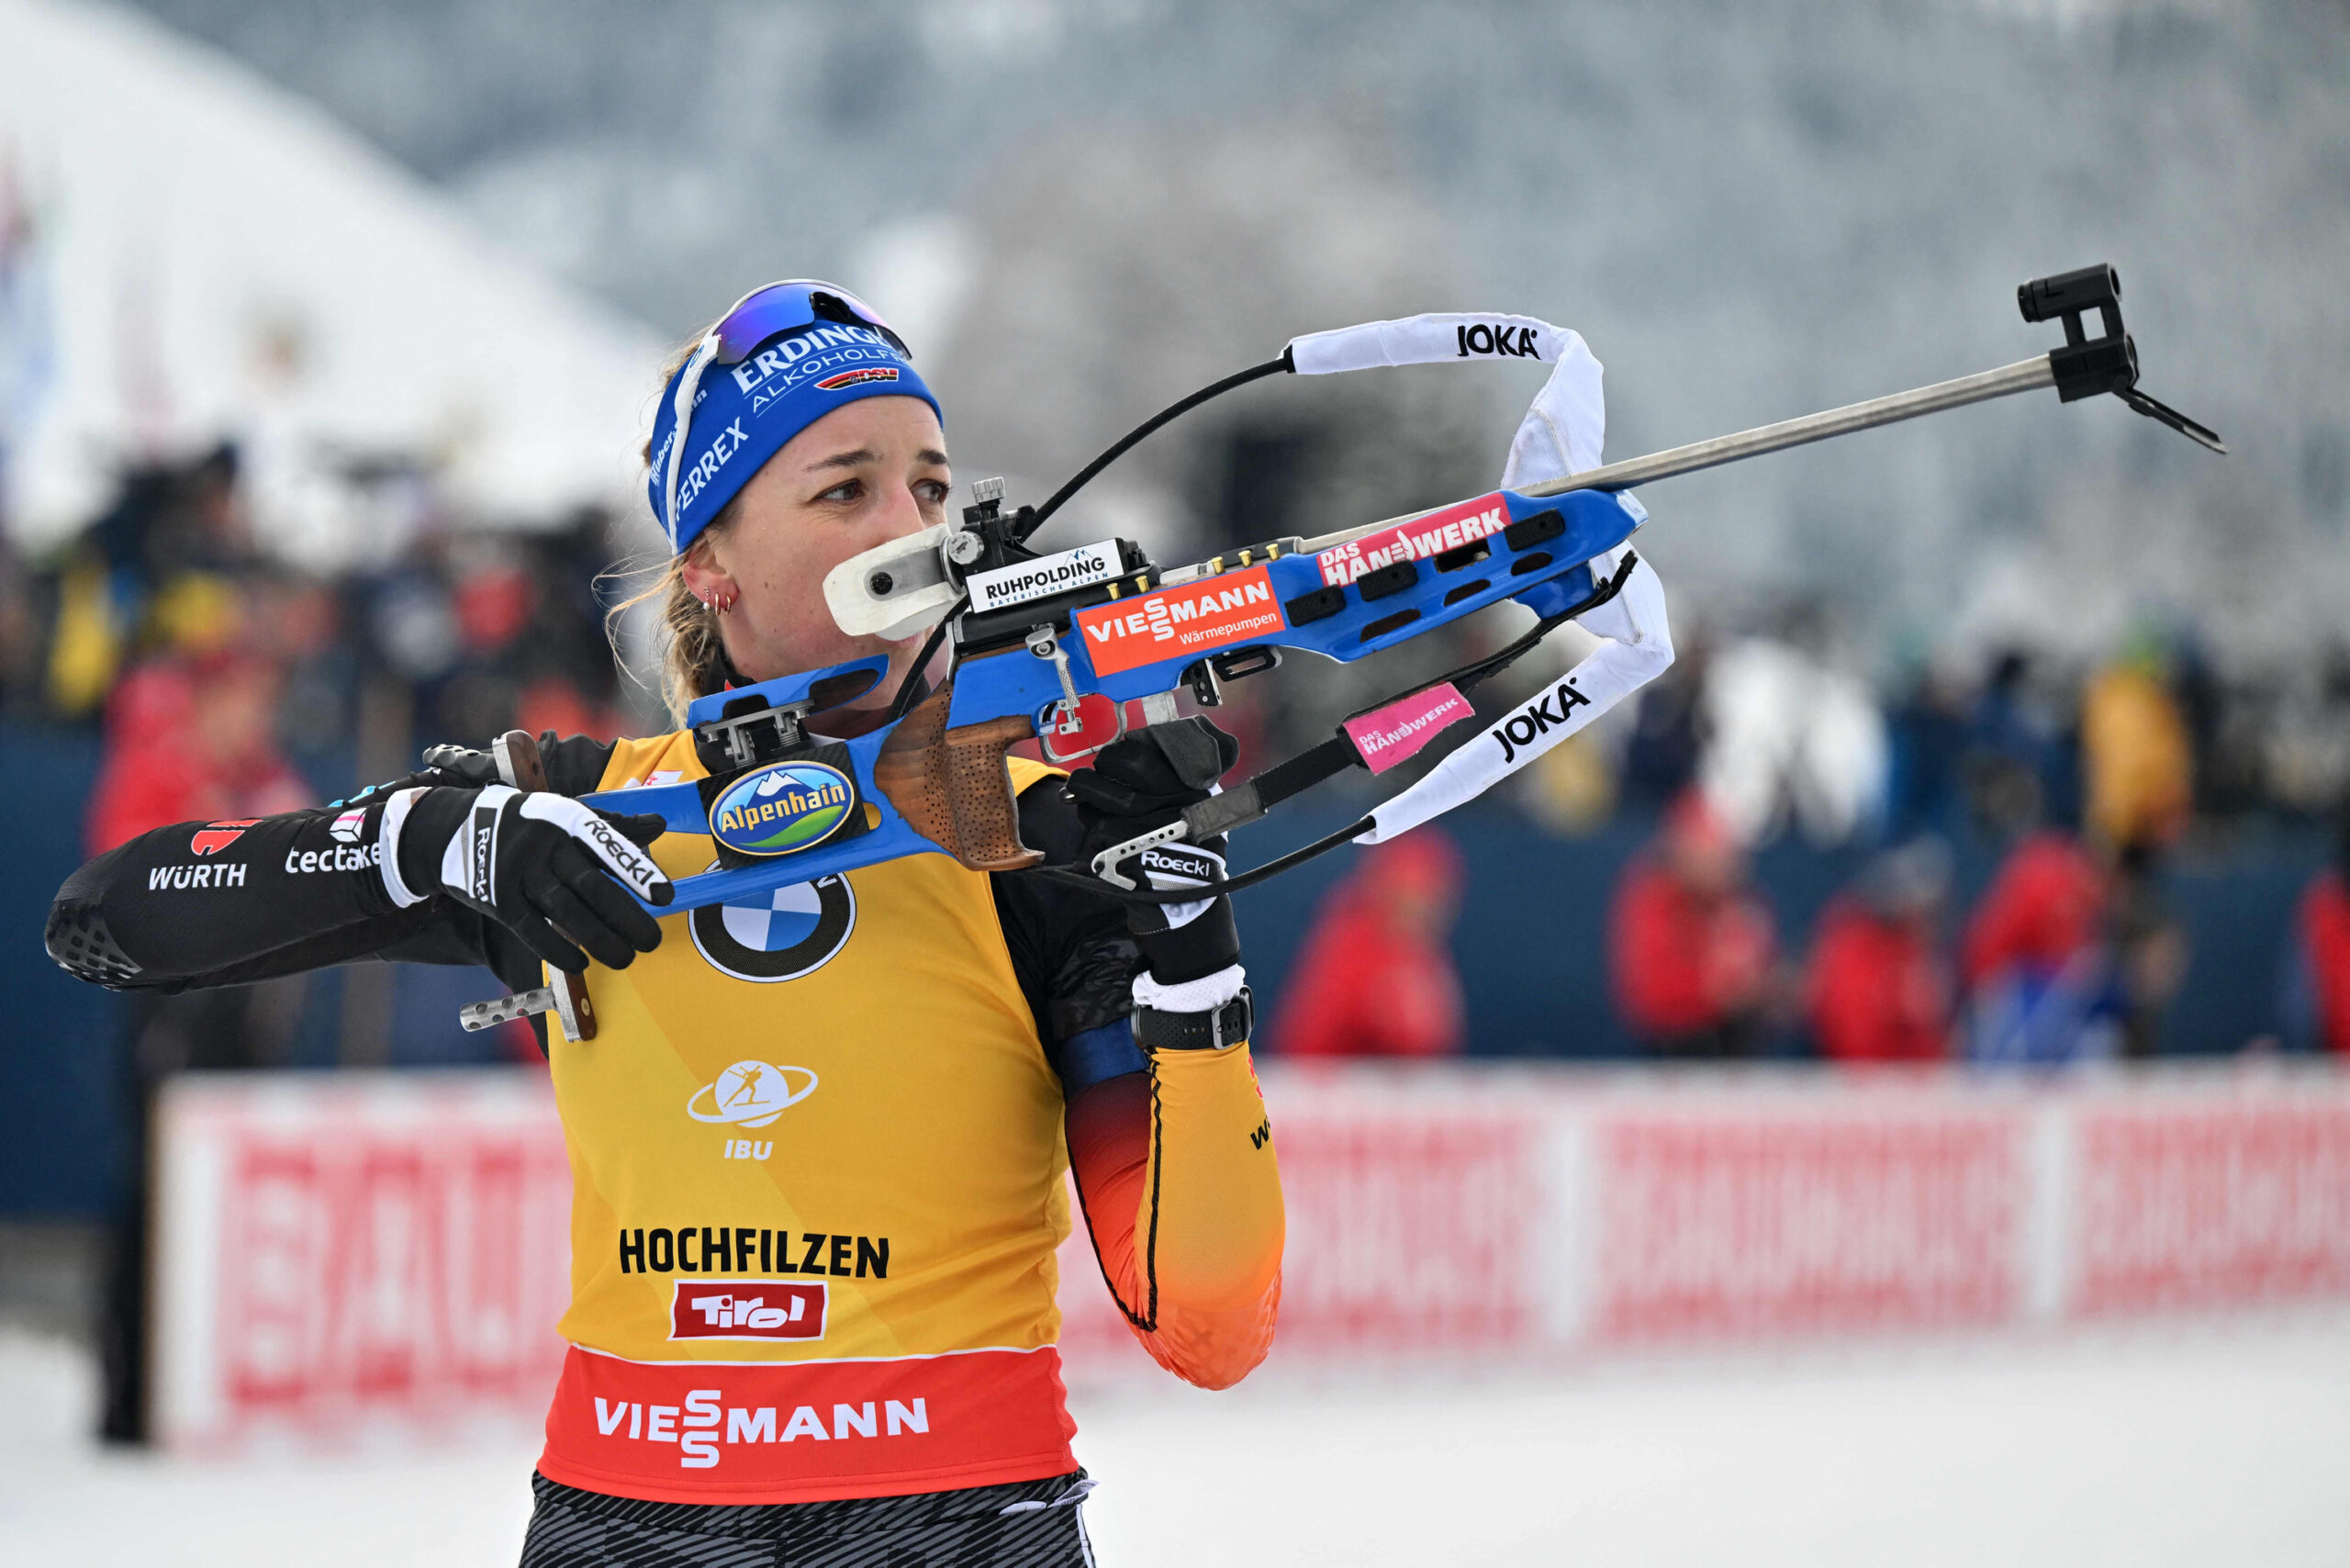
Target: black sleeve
x,y
1074,956
204,904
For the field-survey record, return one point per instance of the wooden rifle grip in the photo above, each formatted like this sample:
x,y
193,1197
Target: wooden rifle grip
x,y
954,787
520,764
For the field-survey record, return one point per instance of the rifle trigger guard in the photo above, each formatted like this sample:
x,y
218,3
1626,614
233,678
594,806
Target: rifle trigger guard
x,y
1106,863
1061,719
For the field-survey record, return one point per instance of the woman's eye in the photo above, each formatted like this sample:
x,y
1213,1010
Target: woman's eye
x,y
933,491
847,491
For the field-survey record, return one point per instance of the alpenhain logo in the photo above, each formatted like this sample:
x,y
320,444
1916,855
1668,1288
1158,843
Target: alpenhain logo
x,y
214,838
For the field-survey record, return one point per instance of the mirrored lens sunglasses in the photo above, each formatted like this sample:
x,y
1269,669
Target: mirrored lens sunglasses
x,y
758,316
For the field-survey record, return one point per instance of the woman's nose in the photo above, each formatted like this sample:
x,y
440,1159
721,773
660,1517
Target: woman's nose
x,y
901,514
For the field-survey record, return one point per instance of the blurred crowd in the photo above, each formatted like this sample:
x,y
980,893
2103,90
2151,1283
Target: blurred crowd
x,y
2087,788
225,683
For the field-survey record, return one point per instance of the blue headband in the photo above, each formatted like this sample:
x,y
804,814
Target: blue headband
x,y
744,413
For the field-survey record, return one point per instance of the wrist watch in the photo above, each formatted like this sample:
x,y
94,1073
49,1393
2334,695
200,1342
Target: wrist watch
x,y
1210,1031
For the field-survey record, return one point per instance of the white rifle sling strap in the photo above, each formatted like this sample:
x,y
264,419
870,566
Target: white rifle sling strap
x,y
1560,436
1562,433
1636,647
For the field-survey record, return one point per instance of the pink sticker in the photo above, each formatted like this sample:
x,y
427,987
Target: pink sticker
x,y
1397,733
1449,527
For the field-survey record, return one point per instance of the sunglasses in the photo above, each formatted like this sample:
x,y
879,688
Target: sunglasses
x,y
763,314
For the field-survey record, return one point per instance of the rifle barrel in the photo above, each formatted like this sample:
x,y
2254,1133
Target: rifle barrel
x,y
2024,375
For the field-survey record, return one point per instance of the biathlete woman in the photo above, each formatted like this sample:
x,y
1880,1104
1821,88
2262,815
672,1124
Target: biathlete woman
x,y
818,1147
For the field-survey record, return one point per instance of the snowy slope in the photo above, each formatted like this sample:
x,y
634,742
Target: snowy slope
x,y
2209,1443
215,256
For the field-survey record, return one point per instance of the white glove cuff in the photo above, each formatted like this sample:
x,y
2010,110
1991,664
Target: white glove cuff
x,y
387,844
1202,995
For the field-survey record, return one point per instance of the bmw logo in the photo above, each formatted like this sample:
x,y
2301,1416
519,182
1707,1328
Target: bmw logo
x,y
777,935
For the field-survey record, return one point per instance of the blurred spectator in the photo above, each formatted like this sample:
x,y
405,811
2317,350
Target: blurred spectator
x,y
2040,986
155,572
1880,986
1669,729
1570,789
2305,745
2013,752
1927,737
192,740
1788,735
1692,951
1374,977
2148,946
2069,958
2319,997
2135,750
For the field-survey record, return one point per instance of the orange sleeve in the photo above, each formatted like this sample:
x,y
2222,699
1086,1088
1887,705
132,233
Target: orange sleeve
x,y
1183,1196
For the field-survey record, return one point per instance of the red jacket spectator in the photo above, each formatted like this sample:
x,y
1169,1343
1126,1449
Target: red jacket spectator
x,y
2045,905
1880,987
1692,952
1374,976
1879,991
191,741
2325,946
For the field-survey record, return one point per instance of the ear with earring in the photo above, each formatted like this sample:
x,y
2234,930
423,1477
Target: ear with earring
x,y
721,604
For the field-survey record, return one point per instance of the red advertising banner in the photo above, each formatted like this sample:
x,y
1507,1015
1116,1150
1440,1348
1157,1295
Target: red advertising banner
x,y
2181,1205
1807,1220
340,1250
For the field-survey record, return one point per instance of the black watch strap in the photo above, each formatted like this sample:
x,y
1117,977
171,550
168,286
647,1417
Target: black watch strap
x,y
1226,1025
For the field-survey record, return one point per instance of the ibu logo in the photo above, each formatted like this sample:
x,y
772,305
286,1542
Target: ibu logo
x,y
781,808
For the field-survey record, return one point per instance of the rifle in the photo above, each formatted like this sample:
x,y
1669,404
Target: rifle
x,y
1054,647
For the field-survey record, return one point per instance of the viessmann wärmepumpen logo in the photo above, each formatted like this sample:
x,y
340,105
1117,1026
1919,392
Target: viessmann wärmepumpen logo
x,y
782,808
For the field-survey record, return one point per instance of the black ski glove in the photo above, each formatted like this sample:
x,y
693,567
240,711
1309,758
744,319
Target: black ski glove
x,y
546,867
1144,781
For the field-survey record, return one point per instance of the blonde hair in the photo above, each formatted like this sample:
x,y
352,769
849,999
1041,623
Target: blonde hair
x,y
693,654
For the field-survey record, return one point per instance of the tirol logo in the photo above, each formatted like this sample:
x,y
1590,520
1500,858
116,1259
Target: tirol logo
x,y
214,838
747,1309
751,1095
782,808
857,378
1463,522
1183,622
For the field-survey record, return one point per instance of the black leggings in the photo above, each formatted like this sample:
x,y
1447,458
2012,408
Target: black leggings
x,y
1016,1526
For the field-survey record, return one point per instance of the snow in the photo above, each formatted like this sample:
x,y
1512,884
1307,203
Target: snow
x,y
210,255
2195,1443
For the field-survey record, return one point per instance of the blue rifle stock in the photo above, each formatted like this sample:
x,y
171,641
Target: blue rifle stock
x,y
936,782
